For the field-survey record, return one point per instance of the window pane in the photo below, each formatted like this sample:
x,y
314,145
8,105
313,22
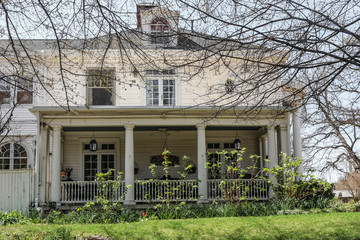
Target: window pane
x,y
4,97
90,166
107,163
5,151
24,97
101,96
19,150
24,91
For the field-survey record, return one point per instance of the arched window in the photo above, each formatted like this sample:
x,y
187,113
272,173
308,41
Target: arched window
x,y
160,31
13,156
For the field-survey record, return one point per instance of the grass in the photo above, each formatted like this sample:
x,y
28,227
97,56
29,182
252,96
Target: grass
x,y
305,226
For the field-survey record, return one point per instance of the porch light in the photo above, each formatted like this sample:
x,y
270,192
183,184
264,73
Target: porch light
x,y
93,146
237,144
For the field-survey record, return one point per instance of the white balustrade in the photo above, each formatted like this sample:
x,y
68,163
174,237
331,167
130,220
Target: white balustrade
x,y
149,191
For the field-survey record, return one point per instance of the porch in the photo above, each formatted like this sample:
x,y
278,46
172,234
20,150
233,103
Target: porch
x,y
154,191
129,142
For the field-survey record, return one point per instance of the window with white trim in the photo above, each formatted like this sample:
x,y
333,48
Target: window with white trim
x,y
13,156
99,161
160,88
23,90
100,86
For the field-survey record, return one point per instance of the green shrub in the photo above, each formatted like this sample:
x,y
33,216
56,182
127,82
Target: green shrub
x,y
12,217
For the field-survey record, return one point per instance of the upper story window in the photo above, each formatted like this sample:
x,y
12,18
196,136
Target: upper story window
x,y
100,86
160,88
13,156
23,89
160,31
4,92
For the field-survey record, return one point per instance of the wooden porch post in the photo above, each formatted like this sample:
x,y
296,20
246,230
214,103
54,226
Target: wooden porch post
x,y
129,164
272,155
297,143
201,162
56,166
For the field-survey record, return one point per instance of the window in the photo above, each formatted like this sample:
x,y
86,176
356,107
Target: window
x,y
24,91
4,92
229,86
99,161
13,156
160,88
160,31
229,146
100,87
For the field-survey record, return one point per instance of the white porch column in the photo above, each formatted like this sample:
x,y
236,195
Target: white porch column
x,y
261,156
129,164
297,143
56,166
284,140
201,162
272,156
43,161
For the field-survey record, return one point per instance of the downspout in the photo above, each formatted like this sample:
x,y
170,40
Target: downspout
x,y
37,162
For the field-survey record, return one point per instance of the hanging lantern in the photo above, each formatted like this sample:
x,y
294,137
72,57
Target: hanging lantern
x,y
237,144
93,145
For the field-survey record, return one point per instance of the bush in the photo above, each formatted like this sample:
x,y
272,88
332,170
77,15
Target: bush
x,y
307,188
7,218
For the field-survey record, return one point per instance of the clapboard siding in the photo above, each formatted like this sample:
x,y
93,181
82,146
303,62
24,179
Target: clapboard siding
x,y
71,157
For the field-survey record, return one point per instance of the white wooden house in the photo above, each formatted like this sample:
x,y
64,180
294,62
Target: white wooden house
x,y
133,112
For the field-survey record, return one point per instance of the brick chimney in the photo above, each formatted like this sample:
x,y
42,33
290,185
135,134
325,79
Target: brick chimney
x,y
139,8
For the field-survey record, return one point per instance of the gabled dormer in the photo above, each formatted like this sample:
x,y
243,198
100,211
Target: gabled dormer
x,y
160,25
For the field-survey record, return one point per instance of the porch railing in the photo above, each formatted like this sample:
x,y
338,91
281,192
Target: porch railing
x,y
237,189
172,190
84,191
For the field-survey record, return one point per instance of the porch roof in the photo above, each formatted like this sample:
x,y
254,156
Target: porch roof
x,y
250,111
156,128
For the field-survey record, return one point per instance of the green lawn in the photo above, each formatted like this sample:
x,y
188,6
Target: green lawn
x,y
307,226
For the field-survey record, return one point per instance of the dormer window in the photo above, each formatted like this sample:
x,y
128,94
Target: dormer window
x,y
160,31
